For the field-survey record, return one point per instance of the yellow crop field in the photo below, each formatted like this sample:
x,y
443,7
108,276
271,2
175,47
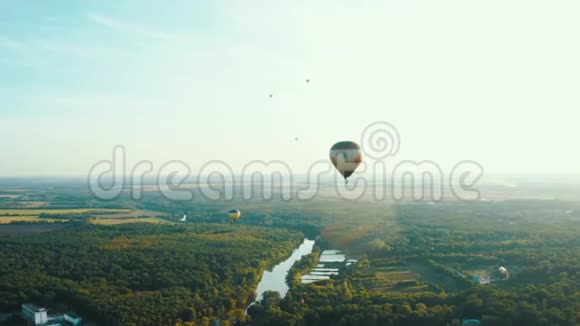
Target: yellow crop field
x,y
32,212
10,219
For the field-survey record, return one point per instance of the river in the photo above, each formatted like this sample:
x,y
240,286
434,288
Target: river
x,y
275,280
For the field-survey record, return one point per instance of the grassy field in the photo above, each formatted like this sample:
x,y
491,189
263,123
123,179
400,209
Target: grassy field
x,y
97,216
129,214
386,277
33,204
10,219
117,221
10,196
36,212
434,277
30,228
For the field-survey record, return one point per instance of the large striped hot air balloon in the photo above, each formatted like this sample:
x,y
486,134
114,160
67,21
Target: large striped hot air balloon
x,y
346,157
234,214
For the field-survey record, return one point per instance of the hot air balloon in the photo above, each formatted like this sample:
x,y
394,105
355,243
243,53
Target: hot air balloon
x,y
234,214
346,157
504,272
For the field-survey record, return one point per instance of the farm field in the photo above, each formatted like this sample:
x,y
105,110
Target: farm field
x,y
36,212
30,228
118,221
11,219
93,216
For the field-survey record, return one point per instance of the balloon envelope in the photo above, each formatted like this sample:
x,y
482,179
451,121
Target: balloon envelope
x,y
346,157
234,214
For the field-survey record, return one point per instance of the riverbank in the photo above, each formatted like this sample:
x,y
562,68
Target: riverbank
x,y
275,279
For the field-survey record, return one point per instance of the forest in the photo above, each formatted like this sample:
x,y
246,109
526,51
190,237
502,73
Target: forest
x,y
141,274
418,263
418,276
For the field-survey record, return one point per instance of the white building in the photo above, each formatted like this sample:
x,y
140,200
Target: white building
x,y
34,315
39,317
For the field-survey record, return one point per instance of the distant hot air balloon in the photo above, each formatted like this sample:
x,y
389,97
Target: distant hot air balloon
x,y
234,214
504,272
346,157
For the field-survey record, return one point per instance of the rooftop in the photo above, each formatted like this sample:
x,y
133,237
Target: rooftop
x,y
73,315
33,307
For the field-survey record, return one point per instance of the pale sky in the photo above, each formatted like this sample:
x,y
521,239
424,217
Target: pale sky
x,y
492,81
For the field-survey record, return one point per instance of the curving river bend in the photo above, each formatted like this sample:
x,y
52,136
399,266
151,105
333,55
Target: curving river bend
x,y
275,280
